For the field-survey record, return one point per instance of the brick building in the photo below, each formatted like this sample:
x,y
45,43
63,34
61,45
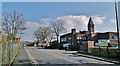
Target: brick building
x,y
73,39
82,40
110,37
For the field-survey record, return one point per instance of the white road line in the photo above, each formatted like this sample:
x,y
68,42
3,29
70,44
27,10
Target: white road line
x,y
33,61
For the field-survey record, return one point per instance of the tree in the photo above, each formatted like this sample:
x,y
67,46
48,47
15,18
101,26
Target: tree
x,y
50,37
58,28
36,35
42,34
12,24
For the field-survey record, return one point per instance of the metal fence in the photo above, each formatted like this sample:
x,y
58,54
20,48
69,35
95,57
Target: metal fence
x,y
104,51
9,51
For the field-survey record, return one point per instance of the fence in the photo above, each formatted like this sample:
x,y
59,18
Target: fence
x,y
9,51
104,51
0,54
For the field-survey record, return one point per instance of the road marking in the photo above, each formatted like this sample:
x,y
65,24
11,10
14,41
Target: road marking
x,y
33,61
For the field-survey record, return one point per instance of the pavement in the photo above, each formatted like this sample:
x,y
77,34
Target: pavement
x,y
21,58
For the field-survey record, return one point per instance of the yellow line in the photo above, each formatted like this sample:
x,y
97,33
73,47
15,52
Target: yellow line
x,y
32,60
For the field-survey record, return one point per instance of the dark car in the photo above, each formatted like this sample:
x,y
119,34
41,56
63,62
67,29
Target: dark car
x,y
30,44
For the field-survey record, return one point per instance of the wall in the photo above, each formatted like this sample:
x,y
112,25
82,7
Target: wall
x,y
86,45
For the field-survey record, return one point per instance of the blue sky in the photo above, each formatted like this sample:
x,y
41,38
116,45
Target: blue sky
x,y
75,14
59,0
36,11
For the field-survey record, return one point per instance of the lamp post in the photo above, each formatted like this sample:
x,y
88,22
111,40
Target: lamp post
x,y
21,34
20,37
117,22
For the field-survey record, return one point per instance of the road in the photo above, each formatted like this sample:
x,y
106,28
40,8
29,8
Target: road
x,y
54,56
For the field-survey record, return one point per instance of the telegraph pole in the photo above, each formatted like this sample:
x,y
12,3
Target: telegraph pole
x,y
117,22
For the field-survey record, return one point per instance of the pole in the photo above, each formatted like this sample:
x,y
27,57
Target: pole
x,y
116,13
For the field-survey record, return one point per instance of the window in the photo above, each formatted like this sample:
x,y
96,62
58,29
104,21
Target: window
x,y
114,38
83,38
78,37
78,42
62,39
69,38
65,39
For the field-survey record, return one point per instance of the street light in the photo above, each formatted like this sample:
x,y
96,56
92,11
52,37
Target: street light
x,y
20,37
117,22
21,34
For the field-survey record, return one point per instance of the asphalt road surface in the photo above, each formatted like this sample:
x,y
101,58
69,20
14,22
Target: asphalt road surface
x,y
54,56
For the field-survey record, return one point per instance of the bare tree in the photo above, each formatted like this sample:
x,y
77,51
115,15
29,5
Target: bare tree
x,y
50,37
42,33
58,28
12,24
36,35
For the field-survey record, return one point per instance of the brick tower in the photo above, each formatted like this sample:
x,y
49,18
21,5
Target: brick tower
x,y
90,26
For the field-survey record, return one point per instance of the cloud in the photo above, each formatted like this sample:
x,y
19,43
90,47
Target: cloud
x,y
31,27
78,22
112,21
45,22
98,19
72,21
31,24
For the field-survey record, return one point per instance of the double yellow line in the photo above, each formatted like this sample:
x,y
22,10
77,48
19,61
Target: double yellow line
x,y
32,60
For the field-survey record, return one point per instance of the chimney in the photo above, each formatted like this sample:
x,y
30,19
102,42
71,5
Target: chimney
x,y
73,31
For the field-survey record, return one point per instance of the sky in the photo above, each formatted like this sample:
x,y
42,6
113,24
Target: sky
x,y
59,0
74,15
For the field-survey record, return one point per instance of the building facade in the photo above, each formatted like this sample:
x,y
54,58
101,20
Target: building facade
x,y
109,39
83,40
72,40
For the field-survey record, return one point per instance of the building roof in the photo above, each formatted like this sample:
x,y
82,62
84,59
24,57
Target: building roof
x,y
83,32
90,22
78,34
104,32
65,34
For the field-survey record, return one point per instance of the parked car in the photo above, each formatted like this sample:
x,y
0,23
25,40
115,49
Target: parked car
x,y
30,44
